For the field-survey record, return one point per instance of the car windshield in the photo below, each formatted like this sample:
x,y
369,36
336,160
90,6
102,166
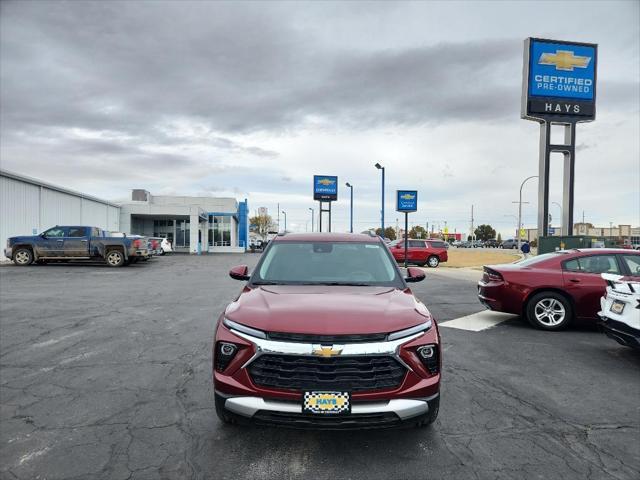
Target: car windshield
x,y
327,263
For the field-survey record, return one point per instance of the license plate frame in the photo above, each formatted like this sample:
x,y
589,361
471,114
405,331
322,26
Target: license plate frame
x,y
326,403
617,307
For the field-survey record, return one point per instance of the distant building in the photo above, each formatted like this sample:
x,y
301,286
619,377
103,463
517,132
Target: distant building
x,y
206,224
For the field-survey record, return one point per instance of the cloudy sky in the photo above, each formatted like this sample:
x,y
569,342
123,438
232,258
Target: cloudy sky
x,y
251,99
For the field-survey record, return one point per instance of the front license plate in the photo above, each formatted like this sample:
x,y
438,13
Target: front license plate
x,y
617,307
326,403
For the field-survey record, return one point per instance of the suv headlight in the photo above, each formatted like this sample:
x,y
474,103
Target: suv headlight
x,y
224,353
428,355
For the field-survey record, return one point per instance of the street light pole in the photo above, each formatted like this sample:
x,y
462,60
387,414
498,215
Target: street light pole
x,y
561,217
520,210
351,208
380,167
285,221
312,214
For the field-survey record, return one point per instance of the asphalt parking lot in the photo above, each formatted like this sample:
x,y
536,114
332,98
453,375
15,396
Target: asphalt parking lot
x,y
105,373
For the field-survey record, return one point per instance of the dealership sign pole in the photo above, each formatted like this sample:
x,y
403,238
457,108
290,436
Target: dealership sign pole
x,y
406,202
558,88
325,190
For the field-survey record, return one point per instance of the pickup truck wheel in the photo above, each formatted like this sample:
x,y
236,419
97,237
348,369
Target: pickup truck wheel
x,y
549,311
23,257
430,417
114,258
433,261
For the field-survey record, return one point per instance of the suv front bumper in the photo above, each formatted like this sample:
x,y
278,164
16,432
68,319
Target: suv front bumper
x,y
372,414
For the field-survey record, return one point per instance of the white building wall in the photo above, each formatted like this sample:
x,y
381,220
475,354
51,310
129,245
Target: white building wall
x,y
28,207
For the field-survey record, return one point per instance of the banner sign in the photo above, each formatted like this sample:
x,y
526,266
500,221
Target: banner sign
x,y
406,200
559,79
325,188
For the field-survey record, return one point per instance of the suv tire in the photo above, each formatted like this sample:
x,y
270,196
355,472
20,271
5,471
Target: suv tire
x,y
549,311
432,414
223,415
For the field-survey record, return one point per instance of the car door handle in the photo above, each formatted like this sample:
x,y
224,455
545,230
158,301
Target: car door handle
x,y
60,241
85,241
574,280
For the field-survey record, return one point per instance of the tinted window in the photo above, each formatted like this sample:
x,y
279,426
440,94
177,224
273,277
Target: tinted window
x,y
327,263
54,232
633,264
438,244
540,258
416,243
75,232
593,264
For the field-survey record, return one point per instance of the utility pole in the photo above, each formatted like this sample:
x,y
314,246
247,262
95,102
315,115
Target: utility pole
x,y
278,217
473,235
540,234
312,215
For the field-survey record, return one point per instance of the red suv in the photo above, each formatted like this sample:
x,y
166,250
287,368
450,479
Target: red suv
x,y
327,334
420,252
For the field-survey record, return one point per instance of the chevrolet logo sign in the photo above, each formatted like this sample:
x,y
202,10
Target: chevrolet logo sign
x,y
326,182
407,196
327,351
564,60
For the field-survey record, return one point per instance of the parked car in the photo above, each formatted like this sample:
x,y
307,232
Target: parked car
x,y
420,252
155,245
64,243
464,244
327,334
477,244
510,243
551,290
620,307
166,246
491,243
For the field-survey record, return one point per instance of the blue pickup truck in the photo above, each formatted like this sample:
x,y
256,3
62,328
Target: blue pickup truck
x,y
72,243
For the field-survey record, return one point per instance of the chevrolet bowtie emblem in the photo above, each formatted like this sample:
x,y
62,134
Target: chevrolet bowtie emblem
x,y
564,60
327,351
326,182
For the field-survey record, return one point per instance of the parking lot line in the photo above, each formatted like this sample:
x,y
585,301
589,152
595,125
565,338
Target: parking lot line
x,y
477,322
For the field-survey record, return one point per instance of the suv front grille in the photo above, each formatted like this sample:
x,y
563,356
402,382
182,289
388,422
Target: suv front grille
x,y
327,339
351,374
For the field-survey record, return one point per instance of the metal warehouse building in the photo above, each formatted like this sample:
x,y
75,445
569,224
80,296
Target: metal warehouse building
x,y
29,206
193,224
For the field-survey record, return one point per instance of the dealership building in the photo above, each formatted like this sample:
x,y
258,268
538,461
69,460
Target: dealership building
x,y
29,206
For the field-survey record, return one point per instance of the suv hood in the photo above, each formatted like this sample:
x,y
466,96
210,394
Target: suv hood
x,y
327,310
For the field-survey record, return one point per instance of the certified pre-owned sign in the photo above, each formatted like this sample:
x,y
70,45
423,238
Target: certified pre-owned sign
x,y
559,79
406,200
325,188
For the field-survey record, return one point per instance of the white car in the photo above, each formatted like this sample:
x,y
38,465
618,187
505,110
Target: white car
x,y
620,309
165,245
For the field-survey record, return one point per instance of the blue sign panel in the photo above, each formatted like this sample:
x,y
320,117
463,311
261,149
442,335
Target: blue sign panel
x,y
406,200
552,231
562,70
325,187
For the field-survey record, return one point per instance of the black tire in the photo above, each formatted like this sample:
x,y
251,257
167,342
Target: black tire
x,y
114,258
432,415
223,415
433,261
23,257
549,311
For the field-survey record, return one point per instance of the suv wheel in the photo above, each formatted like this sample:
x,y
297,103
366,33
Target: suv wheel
x,y
221,412
549,311
433,261
23,257
432,414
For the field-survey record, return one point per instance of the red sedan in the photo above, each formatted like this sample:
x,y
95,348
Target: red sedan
x,y
551,290
420,252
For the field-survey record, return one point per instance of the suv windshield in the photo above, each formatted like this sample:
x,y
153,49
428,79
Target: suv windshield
x,y
327,263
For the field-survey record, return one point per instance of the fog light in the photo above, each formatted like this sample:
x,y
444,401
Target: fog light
x,y
426,352
224,354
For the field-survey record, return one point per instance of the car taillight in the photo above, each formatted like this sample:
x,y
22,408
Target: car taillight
x,y
428,355
493,275
136,243
224,353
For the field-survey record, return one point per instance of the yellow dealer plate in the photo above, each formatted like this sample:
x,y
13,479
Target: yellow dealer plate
x,y
327,403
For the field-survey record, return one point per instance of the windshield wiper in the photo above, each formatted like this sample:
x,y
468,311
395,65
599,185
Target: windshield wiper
x,y
266,282
346,284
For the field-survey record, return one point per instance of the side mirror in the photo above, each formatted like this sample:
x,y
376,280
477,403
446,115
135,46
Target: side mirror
x,y
414,275
239,272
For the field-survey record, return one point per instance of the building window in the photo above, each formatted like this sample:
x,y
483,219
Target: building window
x,y
219,231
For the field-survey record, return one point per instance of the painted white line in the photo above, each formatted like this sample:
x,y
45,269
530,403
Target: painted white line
x,y
477,322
